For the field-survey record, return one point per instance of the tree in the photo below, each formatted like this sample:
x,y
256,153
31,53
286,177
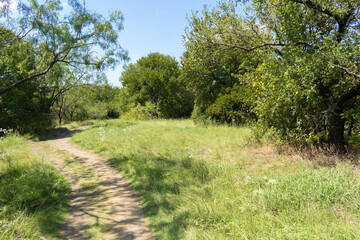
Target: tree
x,y
55,37
211,71
22,108
310,73
45,51
154,79
318,45
86,101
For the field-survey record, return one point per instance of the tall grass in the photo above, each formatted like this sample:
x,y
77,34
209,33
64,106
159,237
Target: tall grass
x,y
33,195
214,183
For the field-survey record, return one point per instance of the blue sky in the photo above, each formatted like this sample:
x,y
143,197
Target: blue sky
x,y
150,26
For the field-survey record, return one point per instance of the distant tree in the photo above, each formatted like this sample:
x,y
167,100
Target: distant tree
x,y
154,79
87,101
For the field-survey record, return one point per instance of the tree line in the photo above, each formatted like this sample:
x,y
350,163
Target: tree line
x,y
288,67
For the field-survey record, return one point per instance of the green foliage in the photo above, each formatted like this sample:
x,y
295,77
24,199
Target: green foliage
x,y
231,108
44,51
154,79
22,109
149,111
33,195
297,62
88,101
211,70
306,90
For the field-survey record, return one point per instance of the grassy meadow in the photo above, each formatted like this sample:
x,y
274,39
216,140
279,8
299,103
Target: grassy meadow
x,y
33,194
216,182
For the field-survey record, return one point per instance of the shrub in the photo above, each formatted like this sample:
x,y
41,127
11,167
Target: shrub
x,y
149,111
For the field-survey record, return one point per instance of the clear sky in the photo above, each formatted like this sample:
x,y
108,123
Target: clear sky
x,y
150,26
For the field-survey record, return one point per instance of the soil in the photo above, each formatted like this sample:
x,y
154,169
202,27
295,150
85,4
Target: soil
x,y
102,205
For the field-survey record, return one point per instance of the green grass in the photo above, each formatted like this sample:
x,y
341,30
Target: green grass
x,y
33,195
215,183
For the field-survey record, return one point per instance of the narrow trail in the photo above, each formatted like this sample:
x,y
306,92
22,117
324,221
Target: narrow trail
x,y
102,206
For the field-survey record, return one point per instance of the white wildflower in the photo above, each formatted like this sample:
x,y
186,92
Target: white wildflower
x,y
126,129
102,133
260,191
271,181
247,180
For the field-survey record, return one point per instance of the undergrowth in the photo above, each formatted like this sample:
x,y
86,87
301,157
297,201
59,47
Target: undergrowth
x,y
213,183
33,195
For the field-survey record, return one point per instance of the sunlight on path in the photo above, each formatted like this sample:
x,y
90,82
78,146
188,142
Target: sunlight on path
x,y
102,206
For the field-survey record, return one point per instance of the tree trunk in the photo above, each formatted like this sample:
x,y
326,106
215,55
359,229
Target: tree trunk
x,y
336,129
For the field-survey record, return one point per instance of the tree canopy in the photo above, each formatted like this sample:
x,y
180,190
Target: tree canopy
x,y
306,53
154,79
45,50
55,37
212,71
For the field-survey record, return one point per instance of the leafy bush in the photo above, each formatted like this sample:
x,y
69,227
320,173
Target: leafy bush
x,y
149,111
230,108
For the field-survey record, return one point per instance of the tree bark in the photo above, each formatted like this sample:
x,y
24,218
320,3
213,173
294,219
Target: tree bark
x,y
336,129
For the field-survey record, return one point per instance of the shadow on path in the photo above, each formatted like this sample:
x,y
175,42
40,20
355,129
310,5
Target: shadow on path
x,y
101,200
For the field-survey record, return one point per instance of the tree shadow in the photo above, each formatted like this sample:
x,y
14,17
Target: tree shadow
x,y
59,133
161,190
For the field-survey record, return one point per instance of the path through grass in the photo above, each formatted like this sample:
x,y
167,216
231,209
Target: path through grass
x,y
214,183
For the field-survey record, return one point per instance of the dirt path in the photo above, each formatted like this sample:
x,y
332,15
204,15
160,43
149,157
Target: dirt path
x,y
102,206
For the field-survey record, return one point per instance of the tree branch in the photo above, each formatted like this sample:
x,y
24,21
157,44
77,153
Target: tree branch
x,y
342,20
4,90
317,7
347,70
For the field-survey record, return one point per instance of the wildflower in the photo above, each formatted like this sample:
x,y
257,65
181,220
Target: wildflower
x,y
247,180
271,181
126,129
102,133
191,156
260,191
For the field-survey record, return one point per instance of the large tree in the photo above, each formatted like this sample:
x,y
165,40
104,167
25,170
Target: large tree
x,y
45,51
54,37
310,77
317,43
